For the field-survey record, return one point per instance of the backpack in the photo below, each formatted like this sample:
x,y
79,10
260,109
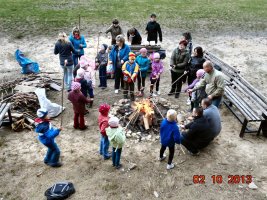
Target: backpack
x,y
60,191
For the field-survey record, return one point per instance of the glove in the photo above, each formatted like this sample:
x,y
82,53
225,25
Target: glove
x,y
133,77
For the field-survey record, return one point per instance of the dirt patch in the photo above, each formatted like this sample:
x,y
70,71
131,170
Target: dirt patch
x,y
21,153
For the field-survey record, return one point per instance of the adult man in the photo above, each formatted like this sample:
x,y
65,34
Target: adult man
x,y
214,83
212,114
199,134
114,30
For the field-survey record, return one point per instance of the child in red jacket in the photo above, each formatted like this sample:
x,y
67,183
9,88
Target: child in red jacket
x,y
78,101
103,124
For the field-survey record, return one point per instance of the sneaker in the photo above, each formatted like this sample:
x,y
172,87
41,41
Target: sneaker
x,y
116,91
158,92
171,93
194,154
140,94
162,158
154,95
99,85
177,95
188,102
84,128
107,157
171,166
118,166
56,165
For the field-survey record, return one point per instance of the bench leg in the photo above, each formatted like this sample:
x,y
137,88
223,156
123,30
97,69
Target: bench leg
x,y
9,116
244,126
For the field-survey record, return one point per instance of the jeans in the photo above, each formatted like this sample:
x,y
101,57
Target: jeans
x,y
104,145
77,117
103,76
176,85
76,59
52,155
216,101
118,78
68,75
91,92
171,153
116,156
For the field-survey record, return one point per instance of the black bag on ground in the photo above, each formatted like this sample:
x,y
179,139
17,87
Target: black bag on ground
x,y
60,191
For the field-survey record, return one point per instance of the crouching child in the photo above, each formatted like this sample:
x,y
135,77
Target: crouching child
x,y
46,135
103,124
116,136
169,135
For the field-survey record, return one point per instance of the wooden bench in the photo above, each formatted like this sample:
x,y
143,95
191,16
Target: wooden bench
x,y
242,98
5,108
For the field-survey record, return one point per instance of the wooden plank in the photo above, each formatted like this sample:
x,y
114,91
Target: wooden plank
x,y
55,86
3,112
24,88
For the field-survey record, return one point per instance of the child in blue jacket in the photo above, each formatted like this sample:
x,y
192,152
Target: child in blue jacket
x,y
46,135
144,63
169,135
79,44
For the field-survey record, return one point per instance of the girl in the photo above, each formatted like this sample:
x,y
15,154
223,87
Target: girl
x,y
101,64
157,69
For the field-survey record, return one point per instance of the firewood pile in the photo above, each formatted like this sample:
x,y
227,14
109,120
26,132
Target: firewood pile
x,y
142,118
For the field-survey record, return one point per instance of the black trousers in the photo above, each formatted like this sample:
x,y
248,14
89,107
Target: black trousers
x,y
176,86
129,87
191,77
141,82
171,153
118,75
153,81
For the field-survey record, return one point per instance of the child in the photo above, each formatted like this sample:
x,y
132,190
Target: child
x,y
144,63
129,69
78,101
101,63
103,124
46,135
198,95
115,30
116,136
89,76
169,135
153,29
157,69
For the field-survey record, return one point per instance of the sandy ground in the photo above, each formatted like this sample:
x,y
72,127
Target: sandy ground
x,y
21,154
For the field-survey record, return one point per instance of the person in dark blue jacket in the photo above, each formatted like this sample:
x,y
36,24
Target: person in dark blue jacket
x,y
79,44
117,57
46,135
169,135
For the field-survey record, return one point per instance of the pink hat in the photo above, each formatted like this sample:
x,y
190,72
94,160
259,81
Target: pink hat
x,y
75,86
156,56
200,73
80,73
113,122
143,50
83,63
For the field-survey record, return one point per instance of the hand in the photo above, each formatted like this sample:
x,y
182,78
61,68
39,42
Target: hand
x,y
185,72
108,37
133,76
96,64
190,91
65,62
81,46
210,97
122,61
60,128
110,62
182,126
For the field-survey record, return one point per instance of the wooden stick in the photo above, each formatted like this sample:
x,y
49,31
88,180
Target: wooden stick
x,y
62,95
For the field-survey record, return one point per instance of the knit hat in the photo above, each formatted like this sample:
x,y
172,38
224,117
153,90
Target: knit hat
x,y
113,122
104,109
75,86
83,62
131,56
104,46
171,115
80,73
143,50
41,113
156,55
200,73
183,42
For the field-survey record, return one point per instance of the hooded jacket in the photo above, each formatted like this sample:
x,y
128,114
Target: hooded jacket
x,y
103,124
169,133
143,63
46,133
76,43
116,137
123,54
179,60
157,68
78,101
84,86
114,31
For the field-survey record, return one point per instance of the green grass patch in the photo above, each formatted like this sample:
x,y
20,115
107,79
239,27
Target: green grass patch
x,y
44,16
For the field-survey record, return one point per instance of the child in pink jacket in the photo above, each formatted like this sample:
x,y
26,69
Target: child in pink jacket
x,y
157,69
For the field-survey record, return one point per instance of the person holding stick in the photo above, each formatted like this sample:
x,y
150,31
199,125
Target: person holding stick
x,y
143,61
114,30
178,64
157,70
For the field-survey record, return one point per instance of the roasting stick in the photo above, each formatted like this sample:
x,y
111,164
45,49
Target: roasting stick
x,y
62,95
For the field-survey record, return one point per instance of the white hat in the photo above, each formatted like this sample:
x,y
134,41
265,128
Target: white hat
x,y
113,122
41,113
171,115
156,55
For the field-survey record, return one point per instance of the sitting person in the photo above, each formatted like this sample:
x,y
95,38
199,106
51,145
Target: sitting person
x,y
199,133
212,114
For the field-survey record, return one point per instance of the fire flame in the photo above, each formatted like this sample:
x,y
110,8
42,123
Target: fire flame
x,y
145,106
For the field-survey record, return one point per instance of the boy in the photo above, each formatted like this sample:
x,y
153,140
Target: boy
x,y
169,135
103,124
101,63
130,70
78,101
116,136
115,30
153,29
47,135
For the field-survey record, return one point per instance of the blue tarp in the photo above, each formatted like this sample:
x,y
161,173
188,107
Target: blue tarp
x,y
28,66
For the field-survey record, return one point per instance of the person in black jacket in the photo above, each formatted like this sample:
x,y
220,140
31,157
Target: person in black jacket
x,y
198,135
134,36
153,29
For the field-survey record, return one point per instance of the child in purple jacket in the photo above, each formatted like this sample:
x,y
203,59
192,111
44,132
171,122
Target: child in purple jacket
x,y
157,69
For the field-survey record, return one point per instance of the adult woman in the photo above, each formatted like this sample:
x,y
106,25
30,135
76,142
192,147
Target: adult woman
x,y
79,44
195,63
178,63
65,49
134,36
118,56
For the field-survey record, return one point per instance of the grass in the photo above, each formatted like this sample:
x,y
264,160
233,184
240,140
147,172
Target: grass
x,y
22,17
